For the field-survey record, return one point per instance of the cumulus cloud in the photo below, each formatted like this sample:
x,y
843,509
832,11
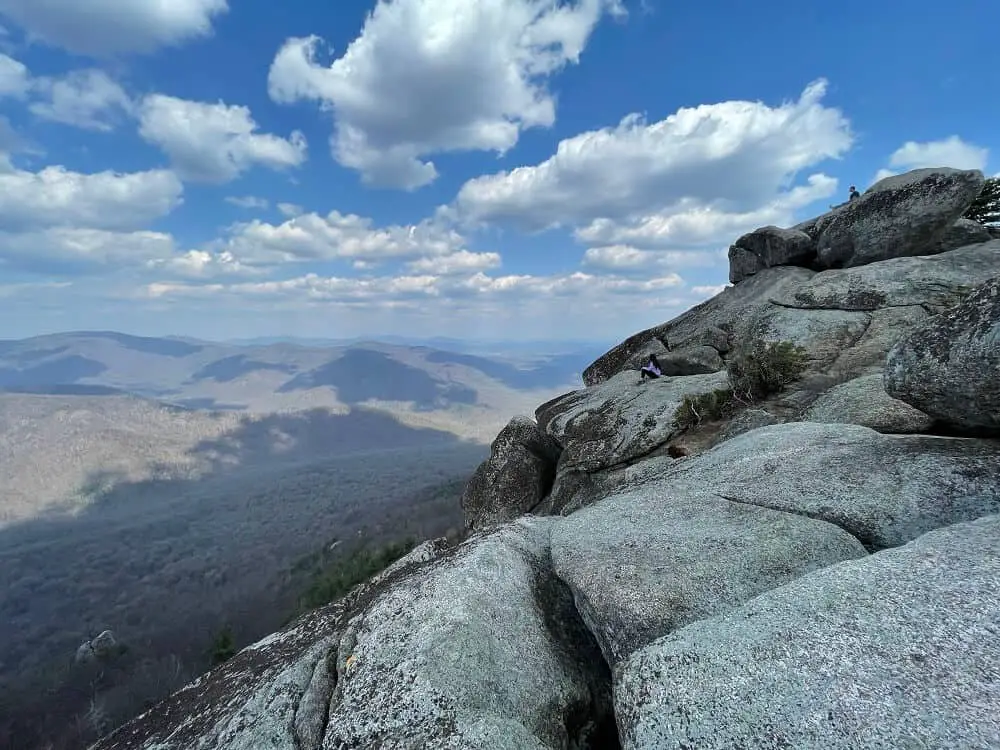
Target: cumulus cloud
x,y
311,237
461,262
382,289
110,27
87,99
431,76
948,152
290,209
200,264
247,201
79,250
625,259
14,77
109,200
214,142
695,177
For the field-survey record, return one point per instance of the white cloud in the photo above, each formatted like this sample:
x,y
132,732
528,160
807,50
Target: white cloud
x,y
691,223
87,99
247,201
461,262
948,152
290,209
431,76
8,291
628,259
214,142
337,236
56,196
695,177
202,264
14,77
110,27
75,249
421,287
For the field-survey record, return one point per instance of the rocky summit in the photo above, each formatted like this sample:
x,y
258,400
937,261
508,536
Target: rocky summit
x,y
790,540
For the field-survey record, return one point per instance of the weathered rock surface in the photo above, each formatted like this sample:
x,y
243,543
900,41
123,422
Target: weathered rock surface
x,y
950,367
103,646
902,215
620,419
767,247
515,478
644,563
273,695
693,327
824,334
963,232
897,650
884,489
693,360
935,282
863,401
482,650
745,421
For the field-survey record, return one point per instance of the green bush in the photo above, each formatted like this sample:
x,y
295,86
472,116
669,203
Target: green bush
x,y
762,368
705,406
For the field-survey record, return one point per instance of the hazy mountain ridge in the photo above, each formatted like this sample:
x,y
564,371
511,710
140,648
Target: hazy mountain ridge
x,y
280,375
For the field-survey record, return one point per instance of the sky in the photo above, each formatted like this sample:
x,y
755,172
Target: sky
x,y
498,169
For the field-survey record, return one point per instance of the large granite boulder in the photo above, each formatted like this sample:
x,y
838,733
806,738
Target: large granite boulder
x,y
896,650
767,247
950,367
902,215
619,420
863,401
644,563
482,650
514,479
935,282
963,232
885,490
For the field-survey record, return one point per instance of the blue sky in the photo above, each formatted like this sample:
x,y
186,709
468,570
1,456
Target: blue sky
x,y
498,169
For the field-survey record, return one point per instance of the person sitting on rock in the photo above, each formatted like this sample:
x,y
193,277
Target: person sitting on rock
x,y
854,194
651,369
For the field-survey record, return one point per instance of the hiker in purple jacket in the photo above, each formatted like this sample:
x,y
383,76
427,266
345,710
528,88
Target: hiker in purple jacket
x,y
651,369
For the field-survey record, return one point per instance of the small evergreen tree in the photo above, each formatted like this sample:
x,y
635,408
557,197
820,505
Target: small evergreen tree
x,y
986,208
223,647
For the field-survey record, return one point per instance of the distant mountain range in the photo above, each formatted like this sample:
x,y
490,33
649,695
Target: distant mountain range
x,y
269,375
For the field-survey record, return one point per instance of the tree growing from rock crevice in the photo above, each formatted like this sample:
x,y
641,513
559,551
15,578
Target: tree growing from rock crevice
x,y
756,370
986,207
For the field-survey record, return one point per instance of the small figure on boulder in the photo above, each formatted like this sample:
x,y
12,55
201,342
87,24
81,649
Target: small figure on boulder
x,y
854,194
651,369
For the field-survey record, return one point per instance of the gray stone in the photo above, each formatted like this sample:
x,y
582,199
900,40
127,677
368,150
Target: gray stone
x,y
824,334
863,401
620,419
644,563
514,479
936,282
745,421
897,650
693,360
950,367
641,356
721,312
903,215
482,650
963,232
768,247
884,489
868,353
